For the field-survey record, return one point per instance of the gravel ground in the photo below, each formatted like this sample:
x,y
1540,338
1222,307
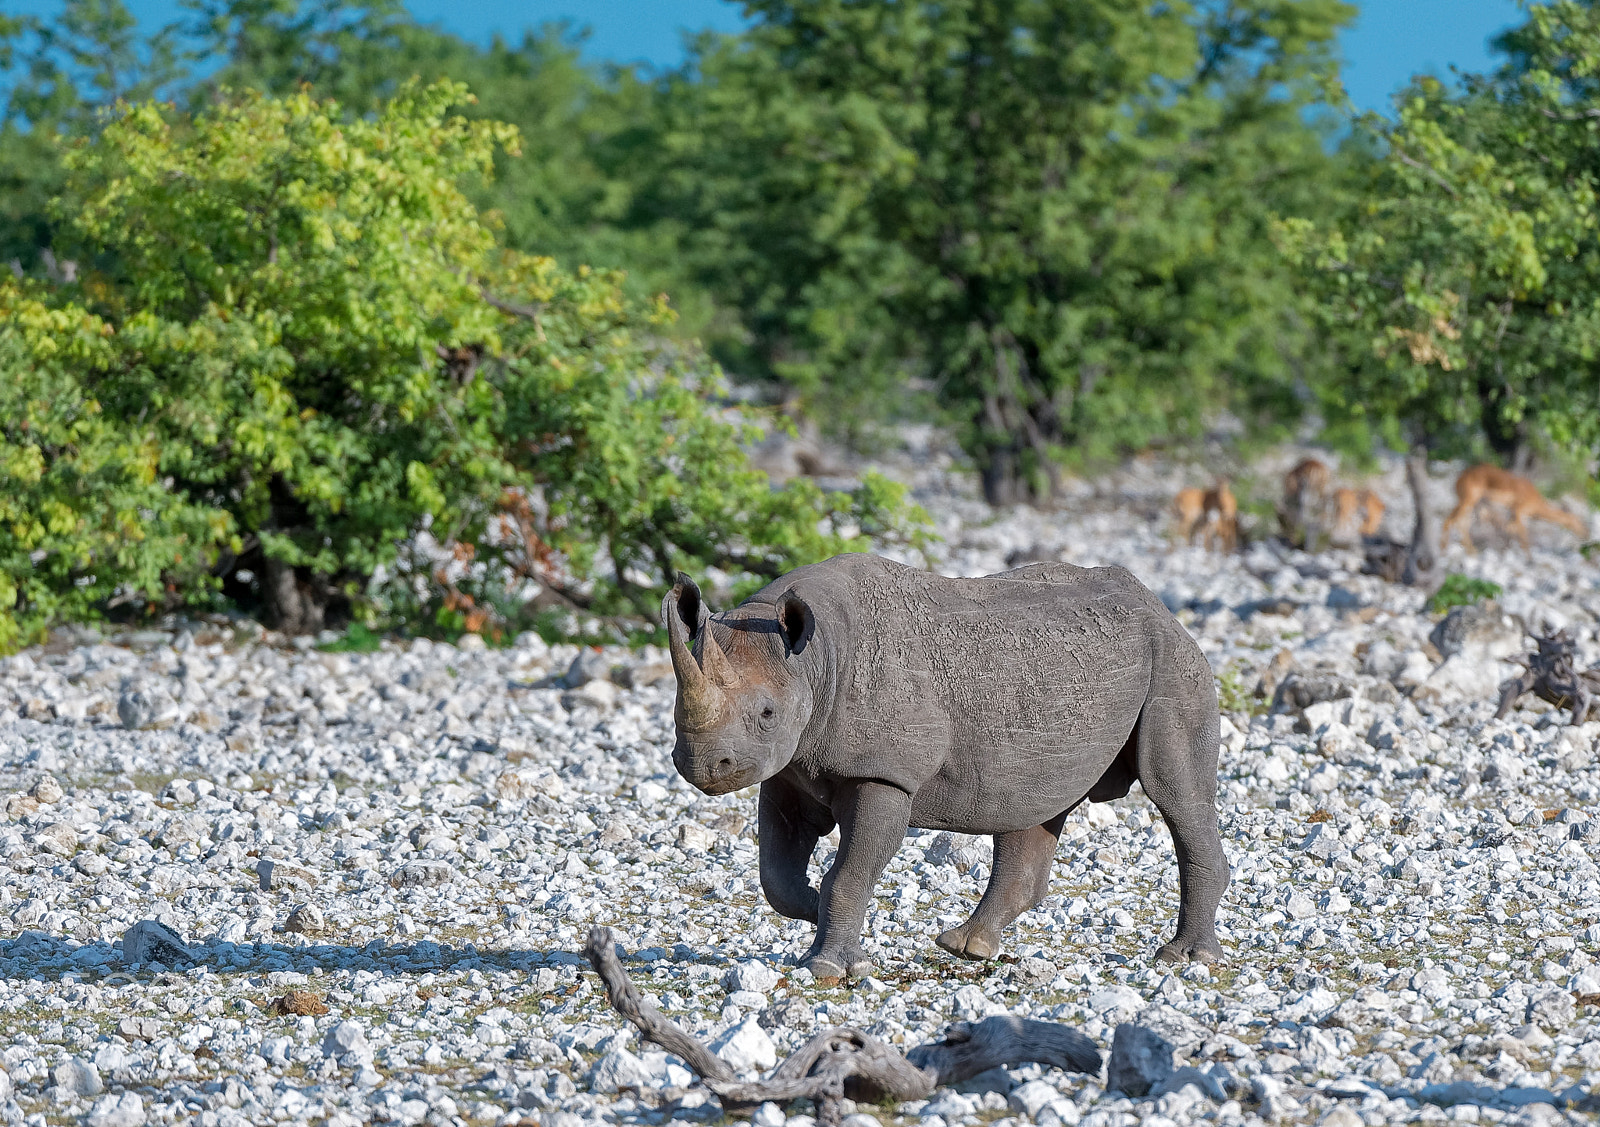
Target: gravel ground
x,y
369,874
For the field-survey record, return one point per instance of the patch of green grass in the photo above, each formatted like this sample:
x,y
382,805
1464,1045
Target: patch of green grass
x,y
1459,590
1233,696
358,639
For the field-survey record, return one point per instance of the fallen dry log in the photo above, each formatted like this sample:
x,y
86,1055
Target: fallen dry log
x,y
846,1063
1552,673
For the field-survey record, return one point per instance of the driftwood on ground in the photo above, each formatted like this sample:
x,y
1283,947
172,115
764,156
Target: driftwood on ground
x,y
846,1063
1552,674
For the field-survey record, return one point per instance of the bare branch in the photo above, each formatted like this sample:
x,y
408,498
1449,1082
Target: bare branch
x,y
531,312
601,951
844,1062
1428,170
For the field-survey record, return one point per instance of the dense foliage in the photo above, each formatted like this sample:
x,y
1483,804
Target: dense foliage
x,y
309,328
1462,288
1058,214
295,330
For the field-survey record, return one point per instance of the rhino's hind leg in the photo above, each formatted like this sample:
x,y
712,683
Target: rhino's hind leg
x,y
1177,743
1020,879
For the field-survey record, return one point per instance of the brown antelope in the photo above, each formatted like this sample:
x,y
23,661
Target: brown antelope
x,y
1194,508
1348,503
1498,487
1307,482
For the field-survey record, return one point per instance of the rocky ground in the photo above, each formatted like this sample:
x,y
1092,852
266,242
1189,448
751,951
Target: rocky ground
x,y
244,881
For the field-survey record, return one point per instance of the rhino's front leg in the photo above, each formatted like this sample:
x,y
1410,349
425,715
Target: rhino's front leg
x,y
872,819
790,822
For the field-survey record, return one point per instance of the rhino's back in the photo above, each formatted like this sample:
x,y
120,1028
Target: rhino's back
x,y
999,699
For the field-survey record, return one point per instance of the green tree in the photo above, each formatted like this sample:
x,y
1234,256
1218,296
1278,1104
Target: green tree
x,y
57,77
588,133
1458,295
302,318
86,521
1058,213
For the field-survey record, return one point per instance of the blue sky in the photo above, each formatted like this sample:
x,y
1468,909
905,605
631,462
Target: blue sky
x,y
1392,40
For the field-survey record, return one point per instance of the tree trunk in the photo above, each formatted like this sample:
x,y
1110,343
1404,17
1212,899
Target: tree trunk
x,y
1421,558
289,603
1000,484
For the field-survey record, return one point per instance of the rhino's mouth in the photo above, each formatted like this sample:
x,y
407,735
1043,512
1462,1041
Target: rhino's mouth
x,y
713,772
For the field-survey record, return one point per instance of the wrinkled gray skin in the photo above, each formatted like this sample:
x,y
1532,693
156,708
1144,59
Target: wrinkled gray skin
x,y
874,697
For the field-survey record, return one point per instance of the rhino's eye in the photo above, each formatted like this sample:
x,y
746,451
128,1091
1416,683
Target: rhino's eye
x,y
768,713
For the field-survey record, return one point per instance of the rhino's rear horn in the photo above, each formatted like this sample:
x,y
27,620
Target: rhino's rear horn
x,y
795,620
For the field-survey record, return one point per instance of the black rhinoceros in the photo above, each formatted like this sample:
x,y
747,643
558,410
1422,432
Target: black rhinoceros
x,y
872,696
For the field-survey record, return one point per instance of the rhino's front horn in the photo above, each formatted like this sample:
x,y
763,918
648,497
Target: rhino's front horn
x,y
699,690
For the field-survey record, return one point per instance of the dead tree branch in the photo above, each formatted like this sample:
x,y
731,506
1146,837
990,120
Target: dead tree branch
x,y
601,951
1552,674
846,1063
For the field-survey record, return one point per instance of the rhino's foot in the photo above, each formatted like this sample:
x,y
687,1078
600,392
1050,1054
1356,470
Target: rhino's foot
x,y
1205,949
970,942
837,966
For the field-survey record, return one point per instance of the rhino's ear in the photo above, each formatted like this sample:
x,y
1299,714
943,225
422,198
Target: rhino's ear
x,y
691,608
795,621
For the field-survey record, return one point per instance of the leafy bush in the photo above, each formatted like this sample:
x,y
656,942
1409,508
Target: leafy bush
x,y
84,520
338,395
1459,590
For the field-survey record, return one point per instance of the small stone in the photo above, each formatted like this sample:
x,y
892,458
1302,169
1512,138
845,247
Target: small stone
x,y
693,838
90,864
617,1070
601,695
423,874
77,1077
615,832
1433,984
589,665
151,942
1324,779
1033,971
768,1114
746,1047
1114,1002
274,875
1203,1082
1140,1059
1031,1098
1323,841
47,791
523,784
139,1028
345,1038
1301,906
644,673
150,707
110,1056
1586,981
58,838
21,805
306,920
126,1110
1553,1010
756,977
950,1106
